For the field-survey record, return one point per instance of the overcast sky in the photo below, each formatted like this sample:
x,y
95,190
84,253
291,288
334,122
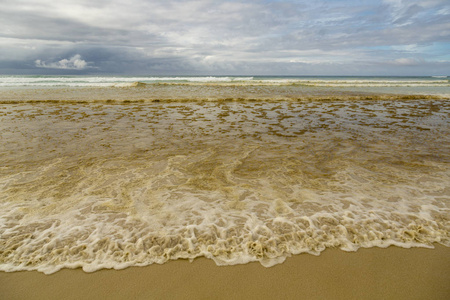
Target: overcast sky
x,y
206,37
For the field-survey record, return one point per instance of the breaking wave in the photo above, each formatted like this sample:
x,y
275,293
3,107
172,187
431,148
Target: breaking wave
x,y
91,81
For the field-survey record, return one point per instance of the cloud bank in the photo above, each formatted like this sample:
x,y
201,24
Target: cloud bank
x,y
73,63
278,37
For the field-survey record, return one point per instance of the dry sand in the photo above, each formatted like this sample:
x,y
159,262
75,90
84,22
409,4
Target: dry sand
x,y
393,273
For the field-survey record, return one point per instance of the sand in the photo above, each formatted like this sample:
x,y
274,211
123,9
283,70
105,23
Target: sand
x,y
375,273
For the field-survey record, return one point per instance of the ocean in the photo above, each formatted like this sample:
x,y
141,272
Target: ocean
x,y
112,172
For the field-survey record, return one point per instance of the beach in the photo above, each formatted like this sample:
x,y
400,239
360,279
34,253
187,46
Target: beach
x,y
218,188
393,273
204,149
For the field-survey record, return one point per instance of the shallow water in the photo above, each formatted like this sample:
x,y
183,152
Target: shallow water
x,y
189,88
108,185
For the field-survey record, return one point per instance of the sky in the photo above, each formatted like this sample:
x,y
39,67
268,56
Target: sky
x,y
207,37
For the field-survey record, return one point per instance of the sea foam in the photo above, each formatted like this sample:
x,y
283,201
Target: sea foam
x,y
119,81
111,186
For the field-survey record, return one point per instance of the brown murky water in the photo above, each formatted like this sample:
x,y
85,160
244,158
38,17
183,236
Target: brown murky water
x,y
117,184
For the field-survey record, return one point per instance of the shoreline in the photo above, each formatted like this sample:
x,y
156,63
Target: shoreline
x,y
205,93
369,273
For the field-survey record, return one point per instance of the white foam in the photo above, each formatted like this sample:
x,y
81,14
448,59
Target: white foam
x,y
114,186
109,81
85,81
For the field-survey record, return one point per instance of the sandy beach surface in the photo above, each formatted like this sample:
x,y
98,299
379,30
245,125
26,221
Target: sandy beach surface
x,y
392,273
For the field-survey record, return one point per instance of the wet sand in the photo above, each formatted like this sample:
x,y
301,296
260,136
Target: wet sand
x,y
375,273
167,93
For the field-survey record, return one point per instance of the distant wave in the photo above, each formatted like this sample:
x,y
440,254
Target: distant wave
x,y
124,81
82,81
131,84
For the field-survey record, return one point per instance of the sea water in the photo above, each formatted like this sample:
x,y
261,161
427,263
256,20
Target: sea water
x,y
232,169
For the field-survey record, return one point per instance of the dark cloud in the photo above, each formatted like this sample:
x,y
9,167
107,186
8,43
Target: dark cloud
x,y
224,37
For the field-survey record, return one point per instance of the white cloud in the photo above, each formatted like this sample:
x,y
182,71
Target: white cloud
x,y
73,63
